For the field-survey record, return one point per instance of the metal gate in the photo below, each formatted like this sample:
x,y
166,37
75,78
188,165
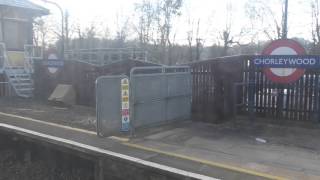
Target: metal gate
x,y
160,94
157,95
108,104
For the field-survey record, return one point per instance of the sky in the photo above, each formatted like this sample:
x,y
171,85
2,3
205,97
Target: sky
x,y
213,15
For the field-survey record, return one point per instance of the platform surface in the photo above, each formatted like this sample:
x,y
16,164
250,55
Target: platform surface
x,y
227,151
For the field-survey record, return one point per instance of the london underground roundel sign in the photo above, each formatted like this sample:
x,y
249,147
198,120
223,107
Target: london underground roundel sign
x,y
281,73
53,62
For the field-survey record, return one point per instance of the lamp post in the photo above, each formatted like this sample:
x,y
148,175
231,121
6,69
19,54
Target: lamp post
x,y
62,25
285,21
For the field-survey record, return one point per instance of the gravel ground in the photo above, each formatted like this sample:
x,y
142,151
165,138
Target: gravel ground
x,y
76,116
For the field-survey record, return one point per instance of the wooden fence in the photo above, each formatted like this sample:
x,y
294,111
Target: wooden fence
x,y
219,84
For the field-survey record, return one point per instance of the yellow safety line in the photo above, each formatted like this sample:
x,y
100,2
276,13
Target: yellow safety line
x,y
206,162
125,142
62,126
49,123
119,138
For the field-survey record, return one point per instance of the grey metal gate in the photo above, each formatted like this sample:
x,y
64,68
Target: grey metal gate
x,y
160,95
155,95
108,104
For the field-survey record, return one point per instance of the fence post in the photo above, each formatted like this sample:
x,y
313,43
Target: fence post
x,y
251,91
280,101
234,91
316,102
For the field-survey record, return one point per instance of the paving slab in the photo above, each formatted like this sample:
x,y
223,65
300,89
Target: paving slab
x,y
89,138
280,155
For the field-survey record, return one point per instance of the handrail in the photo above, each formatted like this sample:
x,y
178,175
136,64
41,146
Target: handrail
x,y
8,68
31,53
106,56
7,63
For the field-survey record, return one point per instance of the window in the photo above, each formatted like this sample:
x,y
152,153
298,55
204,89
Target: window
x,y
15,34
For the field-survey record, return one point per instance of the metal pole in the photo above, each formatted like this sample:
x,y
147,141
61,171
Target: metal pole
x,y
62,25
285,21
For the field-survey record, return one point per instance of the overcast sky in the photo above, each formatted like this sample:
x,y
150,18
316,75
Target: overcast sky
x,y
211,12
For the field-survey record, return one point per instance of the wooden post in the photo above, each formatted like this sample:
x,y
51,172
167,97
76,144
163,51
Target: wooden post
x,y
251,91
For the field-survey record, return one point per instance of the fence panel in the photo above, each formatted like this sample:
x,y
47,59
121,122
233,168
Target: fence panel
x,y
178,96
160,94
213,99
213,82
148,93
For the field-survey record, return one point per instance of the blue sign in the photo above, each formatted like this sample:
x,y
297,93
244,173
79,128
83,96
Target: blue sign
x,y
125,125
54,63
287,61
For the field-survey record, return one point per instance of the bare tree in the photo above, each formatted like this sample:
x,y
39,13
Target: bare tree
x,y
266,17
77,42
190,37
40,32
199,42
315,31
90,34
226,35
193,37
166,11
146,18
122,24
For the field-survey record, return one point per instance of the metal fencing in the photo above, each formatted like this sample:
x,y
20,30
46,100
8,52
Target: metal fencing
x,y
106,56
157,95
160,95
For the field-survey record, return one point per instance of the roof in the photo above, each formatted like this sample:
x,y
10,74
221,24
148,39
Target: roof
x,y
26,5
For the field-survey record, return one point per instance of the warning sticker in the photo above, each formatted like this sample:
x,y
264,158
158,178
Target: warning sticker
x,y
125,113
125,93
125,105
125,81
125,87
125,99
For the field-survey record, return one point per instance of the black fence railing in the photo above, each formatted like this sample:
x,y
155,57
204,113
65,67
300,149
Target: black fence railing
x,y
216,95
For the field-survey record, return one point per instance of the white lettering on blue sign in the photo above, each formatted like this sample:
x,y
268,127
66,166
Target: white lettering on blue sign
x,y
287,61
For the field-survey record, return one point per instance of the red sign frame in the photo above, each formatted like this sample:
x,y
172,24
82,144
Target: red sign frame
x,y
284,43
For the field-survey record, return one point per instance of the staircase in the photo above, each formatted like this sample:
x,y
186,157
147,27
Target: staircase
x,y
18,77
20,80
